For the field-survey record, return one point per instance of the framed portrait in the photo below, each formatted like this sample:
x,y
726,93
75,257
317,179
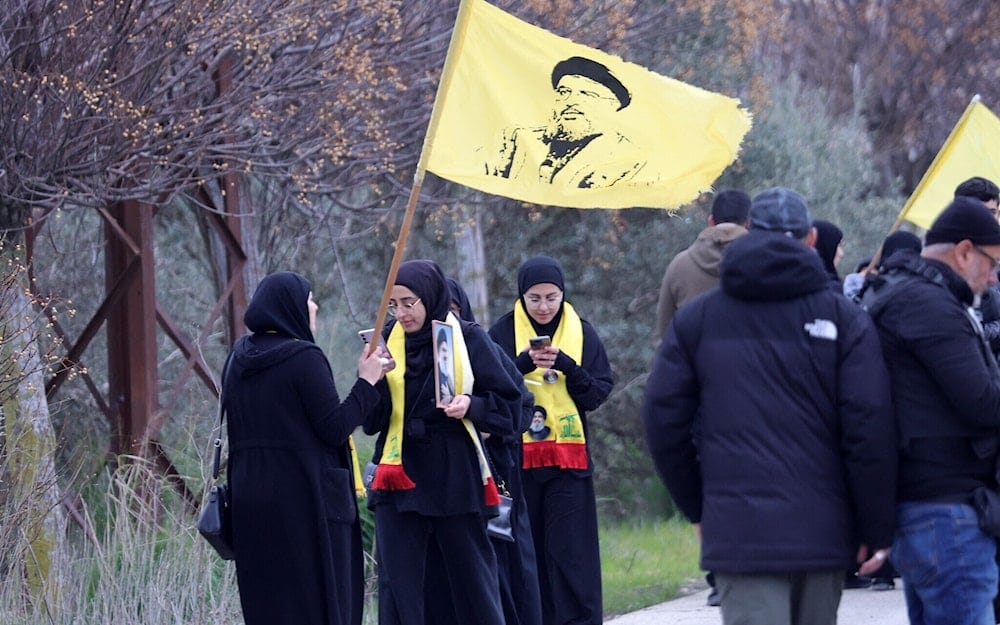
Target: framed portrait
x,y
444,363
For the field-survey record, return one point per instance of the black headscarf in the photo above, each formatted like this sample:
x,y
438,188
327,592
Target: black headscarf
x,y
460,297
541,270
828,237
899,240
280,305
427,282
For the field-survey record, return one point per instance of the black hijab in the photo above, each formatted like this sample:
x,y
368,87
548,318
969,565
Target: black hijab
x,y
280,305
828,237
460,297
541,270
427,282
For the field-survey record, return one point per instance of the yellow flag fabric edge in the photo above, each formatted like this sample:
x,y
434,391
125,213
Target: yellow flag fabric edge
x,y
450,60
936,164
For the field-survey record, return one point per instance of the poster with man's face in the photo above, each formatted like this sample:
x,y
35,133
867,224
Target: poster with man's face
x,y
444,363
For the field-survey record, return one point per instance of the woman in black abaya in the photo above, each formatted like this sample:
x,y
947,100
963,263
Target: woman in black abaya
x,y
295,519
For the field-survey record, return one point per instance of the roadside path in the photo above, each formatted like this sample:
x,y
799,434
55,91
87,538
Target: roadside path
x,y
861,606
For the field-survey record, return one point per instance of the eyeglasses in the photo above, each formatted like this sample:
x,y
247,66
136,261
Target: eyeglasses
x,y
551,300
564,93
994,262
393,309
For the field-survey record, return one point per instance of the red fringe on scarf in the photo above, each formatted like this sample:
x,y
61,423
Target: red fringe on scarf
x,y
490,494
391,477
553,454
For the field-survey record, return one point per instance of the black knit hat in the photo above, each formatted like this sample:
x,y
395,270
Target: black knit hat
x,y
965,218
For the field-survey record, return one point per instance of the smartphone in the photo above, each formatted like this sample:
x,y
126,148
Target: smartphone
x,y
538,342
366,336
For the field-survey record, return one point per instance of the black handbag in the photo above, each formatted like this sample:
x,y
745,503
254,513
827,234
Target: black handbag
x,y
499,527
215,522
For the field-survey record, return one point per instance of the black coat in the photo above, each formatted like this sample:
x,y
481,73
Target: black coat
x,y
784,381
990,309
295,520
437,452
945,383
588,382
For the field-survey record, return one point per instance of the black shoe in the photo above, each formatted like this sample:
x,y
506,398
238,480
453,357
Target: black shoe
x,y
883,583
713,598
857,581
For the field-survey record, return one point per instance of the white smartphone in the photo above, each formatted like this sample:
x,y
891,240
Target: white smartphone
x,y
366,336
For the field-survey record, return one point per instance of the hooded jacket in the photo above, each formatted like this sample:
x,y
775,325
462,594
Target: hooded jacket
x,y
693,271
783,380
295,519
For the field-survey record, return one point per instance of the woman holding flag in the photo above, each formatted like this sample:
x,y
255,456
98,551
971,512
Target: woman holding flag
x,y
564,362
432,488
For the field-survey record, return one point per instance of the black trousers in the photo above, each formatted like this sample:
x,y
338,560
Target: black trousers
x,y
404,541
519,593
563,513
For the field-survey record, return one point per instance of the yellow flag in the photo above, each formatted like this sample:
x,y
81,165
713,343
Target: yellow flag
x,y
972,149
529,115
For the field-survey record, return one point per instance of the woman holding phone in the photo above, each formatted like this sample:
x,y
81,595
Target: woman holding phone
x,y
563,360
296,531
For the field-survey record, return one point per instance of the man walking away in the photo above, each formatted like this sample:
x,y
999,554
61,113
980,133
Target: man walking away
x,y
696,269
767,414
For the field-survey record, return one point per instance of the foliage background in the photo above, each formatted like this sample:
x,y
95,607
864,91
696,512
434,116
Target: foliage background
x,y
850,100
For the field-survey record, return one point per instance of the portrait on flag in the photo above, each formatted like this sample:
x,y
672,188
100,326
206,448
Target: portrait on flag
x,y
533,116
579,145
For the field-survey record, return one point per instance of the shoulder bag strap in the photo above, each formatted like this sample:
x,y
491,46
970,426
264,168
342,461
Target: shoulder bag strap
x,y
500,483
217,460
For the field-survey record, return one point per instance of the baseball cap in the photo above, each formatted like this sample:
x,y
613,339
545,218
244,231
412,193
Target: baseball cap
x,y
780,210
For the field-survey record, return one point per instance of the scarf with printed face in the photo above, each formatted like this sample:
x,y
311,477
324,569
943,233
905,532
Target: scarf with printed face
x,y
565,446
390,474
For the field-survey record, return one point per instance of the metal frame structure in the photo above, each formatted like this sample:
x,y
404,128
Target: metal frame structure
x,y
131,314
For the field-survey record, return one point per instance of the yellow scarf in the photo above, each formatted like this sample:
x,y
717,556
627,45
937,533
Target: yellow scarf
x,y
359,485
390,474
565,446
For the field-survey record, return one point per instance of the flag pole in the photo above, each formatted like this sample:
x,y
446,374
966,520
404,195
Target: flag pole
x,y
451,58
927,176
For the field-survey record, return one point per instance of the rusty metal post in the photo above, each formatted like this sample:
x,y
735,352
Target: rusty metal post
x,y
131,329
235,258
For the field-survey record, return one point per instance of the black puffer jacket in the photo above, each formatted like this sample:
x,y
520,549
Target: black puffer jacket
x,y
784,382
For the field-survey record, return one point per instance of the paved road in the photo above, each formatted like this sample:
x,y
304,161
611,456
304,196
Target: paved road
x,y
857,607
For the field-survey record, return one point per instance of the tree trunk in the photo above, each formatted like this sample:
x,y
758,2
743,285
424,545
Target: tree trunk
x,y
34,523
471,262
